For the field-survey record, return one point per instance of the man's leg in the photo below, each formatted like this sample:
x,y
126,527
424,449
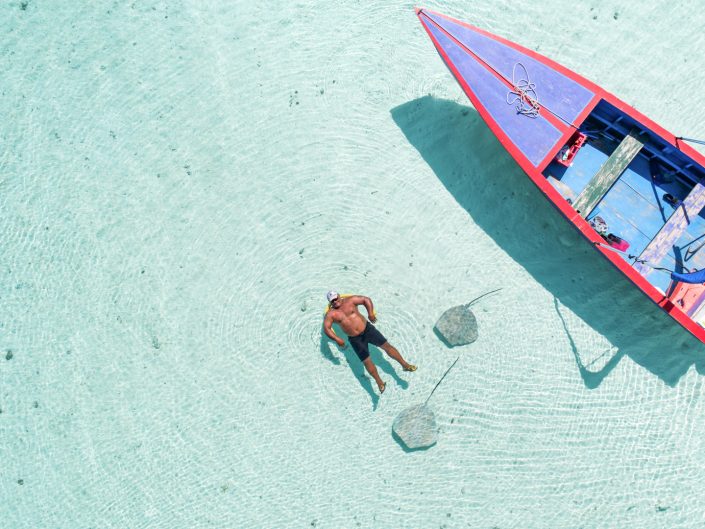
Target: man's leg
x,y
392,351
372,370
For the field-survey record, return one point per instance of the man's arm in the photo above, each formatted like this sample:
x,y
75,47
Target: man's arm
x,y
367,302
328,329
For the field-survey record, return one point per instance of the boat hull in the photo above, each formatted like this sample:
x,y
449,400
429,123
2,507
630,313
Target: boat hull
x,y
447,45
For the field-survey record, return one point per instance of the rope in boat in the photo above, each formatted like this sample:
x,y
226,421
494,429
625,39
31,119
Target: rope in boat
x,y
689,253
528,106
525,96
634,257
692,140
501,75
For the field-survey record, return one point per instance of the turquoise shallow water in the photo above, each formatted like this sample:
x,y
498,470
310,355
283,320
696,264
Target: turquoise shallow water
x,y
182,182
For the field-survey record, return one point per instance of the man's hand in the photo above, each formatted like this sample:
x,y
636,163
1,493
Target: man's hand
x,y
373,318
341,343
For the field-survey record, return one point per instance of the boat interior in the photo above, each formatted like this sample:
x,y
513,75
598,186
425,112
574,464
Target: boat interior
x,y
633,185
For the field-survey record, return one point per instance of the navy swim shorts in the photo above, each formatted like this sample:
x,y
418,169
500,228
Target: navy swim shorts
x,y
369,336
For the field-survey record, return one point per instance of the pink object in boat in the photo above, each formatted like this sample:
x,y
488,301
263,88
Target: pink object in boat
x,y
618,243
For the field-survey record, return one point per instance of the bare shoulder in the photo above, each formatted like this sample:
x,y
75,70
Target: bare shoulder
x,y
358,300
332,316
329,317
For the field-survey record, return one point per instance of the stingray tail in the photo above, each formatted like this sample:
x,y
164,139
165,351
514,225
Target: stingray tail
x,y
441,380
482,296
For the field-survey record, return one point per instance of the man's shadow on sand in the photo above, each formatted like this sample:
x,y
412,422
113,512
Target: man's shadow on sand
x,y
378,357
484,180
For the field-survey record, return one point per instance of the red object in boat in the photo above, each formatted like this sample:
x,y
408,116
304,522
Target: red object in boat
x,y
566,155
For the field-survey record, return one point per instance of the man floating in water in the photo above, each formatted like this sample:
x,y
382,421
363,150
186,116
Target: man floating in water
x,y
361,333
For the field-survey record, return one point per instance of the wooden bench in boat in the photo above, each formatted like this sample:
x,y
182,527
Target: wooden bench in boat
x,y
670,232
609,173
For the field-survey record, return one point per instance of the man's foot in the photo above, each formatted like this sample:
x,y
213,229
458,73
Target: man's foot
x,y
410,367
382,387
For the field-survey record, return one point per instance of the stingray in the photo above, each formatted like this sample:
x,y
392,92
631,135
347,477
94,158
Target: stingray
x,y
458,325
416,426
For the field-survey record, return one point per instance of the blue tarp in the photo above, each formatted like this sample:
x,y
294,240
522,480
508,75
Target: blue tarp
x,y
692,277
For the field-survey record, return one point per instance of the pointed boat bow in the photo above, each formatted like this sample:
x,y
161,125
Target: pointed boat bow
x,y
527,101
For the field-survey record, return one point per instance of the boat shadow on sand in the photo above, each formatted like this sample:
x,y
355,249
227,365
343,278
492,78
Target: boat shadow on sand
x,y
483,178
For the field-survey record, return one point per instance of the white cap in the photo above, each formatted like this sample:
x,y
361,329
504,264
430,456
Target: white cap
x,y
332,294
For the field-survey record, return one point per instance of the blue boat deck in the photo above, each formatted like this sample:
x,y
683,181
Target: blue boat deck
x,y
633,208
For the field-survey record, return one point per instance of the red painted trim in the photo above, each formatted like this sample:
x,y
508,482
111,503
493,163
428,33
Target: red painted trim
x,y
547,115
536,176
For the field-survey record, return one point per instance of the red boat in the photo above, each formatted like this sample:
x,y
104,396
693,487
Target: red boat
x,y
632,188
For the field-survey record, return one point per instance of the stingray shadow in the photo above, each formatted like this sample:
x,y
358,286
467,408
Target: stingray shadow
x,y
408,450
484,180
442,338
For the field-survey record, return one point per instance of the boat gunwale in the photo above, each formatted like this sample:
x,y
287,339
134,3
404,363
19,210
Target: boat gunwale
x,y
535,173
